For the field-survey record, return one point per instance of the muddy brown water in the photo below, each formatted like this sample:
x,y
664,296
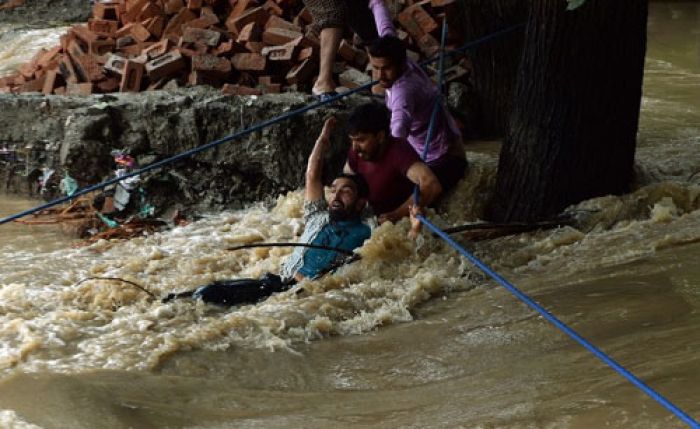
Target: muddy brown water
x,y
411,336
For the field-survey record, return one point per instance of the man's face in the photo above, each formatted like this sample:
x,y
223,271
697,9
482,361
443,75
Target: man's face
x,y
343,201
366,145
384,70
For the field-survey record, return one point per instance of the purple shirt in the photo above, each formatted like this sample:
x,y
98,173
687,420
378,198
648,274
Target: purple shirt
x,y
411,99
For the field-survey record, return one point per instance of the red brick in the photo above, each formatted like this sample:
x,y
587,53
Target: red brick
x,y
148,11
249,62
198,77
165,65
194,4
301,73
238,8
115,64
139,32
50,82
156,26
171,7
198,35
175,24
428,45
252,32
284,53
111,84
131,78
305,16
306,53
346,51
226,49
277,22
255,47
105,11
35,85
272,88
67,70
192,49
267,80
79,89
257,15
87,68
204,21
103,27
211,64
272,8
441,3
416,21
229,89
279,36
157,49
133,9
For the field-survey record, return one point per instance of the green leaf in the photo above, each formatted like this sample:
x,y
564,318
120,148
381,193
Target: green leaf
x,y
573,4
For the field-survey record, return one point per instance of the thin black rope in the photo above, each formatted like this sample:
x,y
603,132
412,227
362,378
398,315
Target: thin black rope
x,y
136,285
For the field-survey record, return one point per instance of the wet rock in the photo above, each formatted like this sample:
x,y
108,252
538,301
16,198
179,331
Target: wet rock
x,y
151,126
43,12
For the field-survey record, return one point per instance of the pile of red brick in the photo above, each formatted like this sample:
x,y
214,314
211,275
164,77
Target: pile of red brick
x,y
244,46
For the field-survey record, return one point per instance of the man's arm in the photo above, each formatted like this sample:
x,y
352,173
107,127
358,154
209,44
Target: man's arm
x,y
430,188
401,112
382,18
313,190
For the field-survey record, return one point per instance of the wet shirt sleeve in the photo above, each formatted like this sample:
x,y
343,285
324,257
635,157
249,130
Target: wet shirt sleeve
x,y
313,208
402,111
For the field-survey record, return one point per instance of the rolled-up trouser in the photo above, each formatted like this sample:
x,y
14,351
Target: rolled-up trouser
x,y
241,291
448,169
338,13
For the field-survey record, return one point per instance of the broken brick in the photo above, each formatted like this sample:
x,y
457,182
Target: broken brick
x,y
249,62
252,32
107,11
165,65
103,27
277,22
131,77
115,64
111,84
279,36
257,15
211,64
198,35
79,89
175,24
229,89
49,82
301,73
171,7
284,53
273,8
139,32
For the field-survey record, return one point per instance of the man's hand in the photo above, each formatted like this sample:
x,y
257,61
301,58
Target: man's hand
x,y
415,222
327,130
314,188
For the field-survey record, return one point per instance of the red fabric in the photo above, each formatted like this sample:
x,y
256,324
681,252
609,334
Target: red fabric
x,y
388,185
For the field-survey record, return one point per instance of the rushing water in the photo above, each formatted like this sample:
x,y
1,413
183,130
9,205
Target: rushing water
x,y
410,336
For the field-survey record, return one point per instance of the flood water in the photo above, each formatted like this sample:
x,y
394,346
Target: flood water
x,y
411,336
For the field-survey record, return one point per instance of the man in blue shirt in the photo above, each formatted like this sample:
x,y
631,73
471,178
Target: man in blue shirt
x,y
334,223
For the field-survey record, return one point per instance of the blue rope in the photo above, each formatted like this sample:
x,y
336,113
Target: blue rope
x,y
563,327
242,133
436,106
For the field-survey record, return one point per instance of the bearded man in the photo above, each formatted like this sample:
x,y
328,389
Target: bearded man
x,y
333,223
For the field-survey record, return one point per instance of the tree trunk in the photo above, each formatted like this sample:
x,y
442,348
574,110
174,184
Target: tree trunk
x,y
495,62
571,134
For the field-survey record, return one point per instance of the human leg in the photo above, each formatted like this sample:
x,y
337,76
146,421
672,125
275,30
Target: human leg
x,y
330,41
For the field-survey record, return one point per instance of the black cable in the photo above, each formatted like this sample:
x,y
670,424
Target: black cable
x,y
151,294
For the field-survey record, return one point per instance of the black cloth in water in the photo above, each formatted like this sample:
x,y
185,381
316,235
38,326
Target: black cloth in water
x,y
241,291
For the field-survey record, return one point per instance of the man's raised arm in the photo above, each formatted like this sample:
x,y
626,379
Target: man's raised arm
x,y
313,190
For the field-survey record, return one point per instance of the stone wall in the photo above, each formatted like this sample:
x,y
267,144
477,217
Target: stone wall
x,y
77,134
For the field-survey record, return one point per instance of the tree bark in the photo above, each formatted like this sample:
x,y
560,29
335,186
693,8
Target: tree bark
x,y
571,134
495,63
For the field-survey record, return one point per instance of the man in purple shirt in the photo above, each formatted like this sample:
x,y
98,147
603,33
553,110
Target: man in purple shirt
x,y
410,96
389,165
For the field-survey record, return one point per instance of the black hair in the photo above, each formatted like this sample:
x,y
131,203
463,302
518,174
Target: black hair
x,y
389,47
359,181
369,118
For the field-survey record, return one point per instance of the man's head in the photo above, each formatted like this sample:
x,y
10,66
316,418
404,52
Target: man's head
x,y
388,58
368,128
348,197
